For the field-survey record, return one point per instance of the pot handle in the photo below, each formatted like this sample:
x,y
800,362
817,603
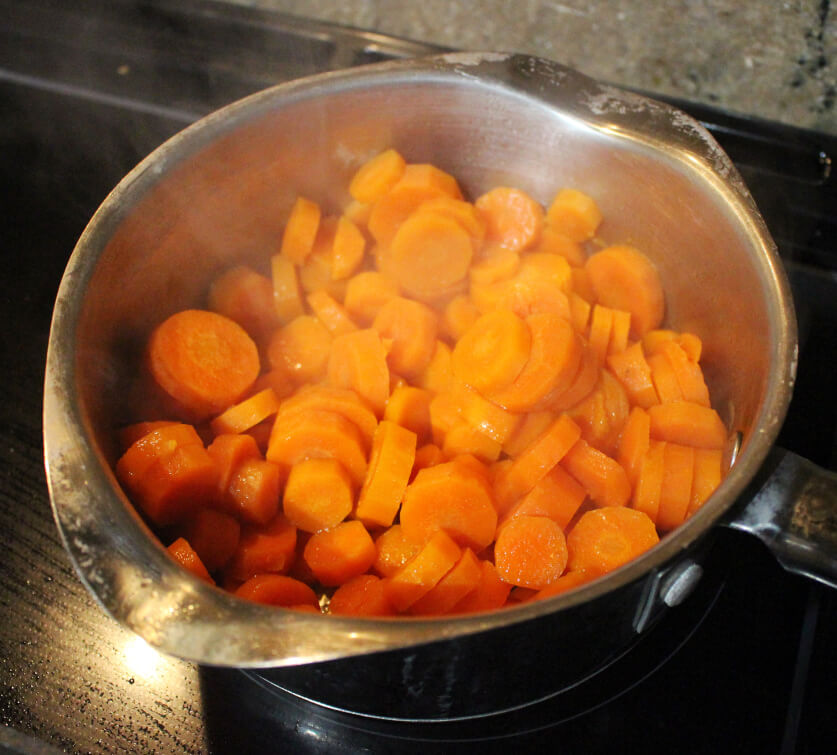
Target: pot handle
x,y
792,508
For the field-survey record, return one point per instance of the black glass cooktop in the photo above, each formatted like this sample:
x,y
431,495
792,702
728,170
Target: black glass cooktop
x,y
747,663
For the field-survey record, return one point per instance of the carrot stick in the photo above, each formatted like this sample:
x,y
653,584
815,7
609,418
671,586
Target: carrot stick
x,y
253,491
513,219
246,414
412,328
632,370
364,595
422,572
183,553
491,593
277,590
450,497
556,496
393,549
358,361
603,477
649,483
675,492
287,300
246,297
409,407
390,465
347,250
687,424
318,495
300,230
574,214
377,176
462,579
624,278
605,539
366,293
265,549
214,537
202,360
706,478
634,443
530,551
338,554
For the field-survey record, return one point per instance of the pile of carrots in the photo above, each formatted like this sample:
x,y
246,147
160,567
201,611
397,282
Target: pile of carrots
x,y
423,406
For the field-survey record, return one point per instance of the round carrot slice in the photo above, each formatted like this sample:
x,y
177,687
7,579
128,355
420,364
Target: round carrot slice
x,y
513,219
531,551
605,539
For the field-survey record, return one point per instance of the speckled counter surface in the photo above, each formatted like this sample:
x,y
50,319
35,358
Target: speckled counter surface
x,y
773,59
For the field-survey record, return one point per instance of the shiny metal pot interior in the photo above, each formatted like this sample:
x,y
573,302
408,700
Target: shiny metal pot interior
x,y
218,194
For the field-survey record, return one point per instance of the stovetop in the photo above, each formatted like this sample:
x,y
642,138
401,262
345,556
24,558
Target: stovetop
x,y
88,89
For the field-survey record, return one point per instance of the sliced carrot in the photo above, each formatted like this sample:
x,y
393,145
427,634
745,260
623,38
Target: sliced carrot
x,y
654,339
422,572
130,434
529,296
358,213
377,176
602,415
318,495
598,337
316,273
463,578
550,268
632,370
574,214
531,551
267,549
491,593
579,312
496,264
246,297
429,253
409,407
214,537
330,313
253,491
277,590
537,460
486,417
464,213
624,278
649,484
287,300
605,539
463,438
688,424
338,554
438,374
706,477
556,496
582,285
619,332
300,349
688,374
585,380
390,465
445,412
459,315
300,230
364,595
366,293
634,442
555,242
428,455
493,352
247,413
412,328
427,506
604,479
529,427
692,345
418,183
358,361
664,378
228,450
202,360
394,549
568,581
348,249
513,219
675,493
183,553
318,434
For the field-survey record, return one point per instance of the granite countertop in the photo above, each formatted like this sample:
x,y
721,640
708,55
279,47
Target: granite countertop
x,y
776,60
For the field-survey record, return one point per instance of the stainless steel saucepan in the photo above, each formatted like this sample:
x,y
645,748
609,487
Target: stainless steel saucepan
x,y
218,193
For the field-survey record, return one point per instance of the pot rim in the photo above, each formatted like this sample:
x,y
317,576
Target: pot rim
x,y
182,616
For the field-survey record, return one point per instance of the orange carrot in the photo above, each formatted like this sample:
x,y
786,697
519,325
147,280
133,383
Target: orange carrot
x,y
358,361
574,214
347,250
688,374
214,537
688,424
338,554
377,176
497,263
390,464
582,285
605,539
513,219
486,417
463,578
438,374
460,313
632,370
579,312
253,491
300,349
706,477
586,377
598,337
409,407
530,296
445,412
202,360
366,293
318,495
530,551
464,213
130,434
185,555
649,483
364,595
422,572
530,426
246,297
247,413
428,455
619,331
393,550
330,313
664,378
675,493
267,549
569,581
624,278
463,438
556,496
427,506
554,242
634,442
493,352
277,590
412,328
287,300
491,593
300,230
604,478
228,451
